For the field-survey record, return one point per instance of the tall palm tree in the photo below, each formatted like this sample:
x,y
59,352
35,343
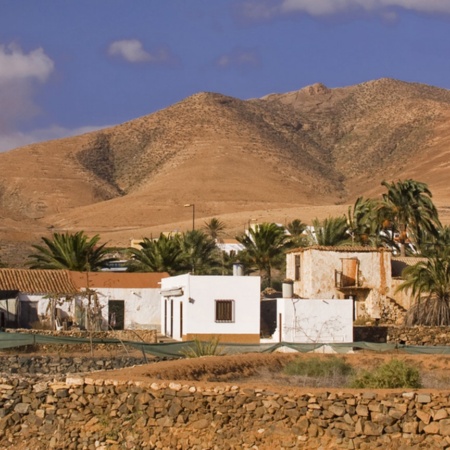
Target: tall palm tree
x,y
69,251
264,248
332,231
297,230
363,223
408,207
160,255
199,253
214,228
429,282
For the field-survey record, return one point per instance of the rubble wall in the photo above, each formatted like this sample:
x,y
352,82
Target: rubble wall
x,y
83,413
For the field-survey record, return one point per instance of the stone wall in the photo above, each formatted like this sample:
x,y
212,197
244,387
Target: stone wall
x,y
420,335
59,367
83,413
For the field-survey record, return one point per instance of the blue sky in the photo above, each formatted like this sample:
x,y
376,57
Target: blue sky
x,y
71,66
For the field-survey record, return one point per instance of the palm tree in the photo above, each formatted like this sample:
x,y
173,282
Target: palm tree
x,y
332,231
264,248
363,223
429,282
409,210
297,229
214,228
70,251
199,253
160,255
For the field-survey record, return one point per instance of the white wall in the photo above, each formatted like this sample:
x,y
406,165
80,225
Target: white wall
x,y
198,300
142,306
310,321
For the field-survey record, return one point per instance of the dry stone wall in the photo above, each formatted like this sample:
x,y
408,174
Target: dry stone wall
x,y
83,413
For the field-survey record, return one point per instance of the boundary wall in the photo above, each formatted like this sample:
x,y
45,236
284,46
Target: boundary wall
x,y
84,413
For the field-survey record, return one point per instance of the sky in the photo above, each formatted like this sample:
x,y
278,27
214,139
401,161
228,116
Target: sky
x,y
73,66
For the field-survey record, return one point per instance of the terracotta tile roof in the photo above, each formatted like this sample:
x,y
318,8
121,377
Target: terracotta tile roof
x,y
122,280
342,248
37,281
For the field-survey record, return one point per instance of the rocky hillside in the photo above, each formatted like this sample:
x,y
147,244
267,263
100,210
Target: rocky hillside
x,y
299,154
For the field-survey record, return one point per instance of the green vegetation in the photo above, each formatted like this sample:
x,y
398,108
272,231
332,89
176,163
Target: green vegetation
x,y
265,245
69,251
391,375
429,282
200,348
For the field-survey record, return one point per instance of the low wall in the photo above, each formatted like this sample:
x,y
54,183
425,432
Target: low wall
x,y
420,335
84,413
61,366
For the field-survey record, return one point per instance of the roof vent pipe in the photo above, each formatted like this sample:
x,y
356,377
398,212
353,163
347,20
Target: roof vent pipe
x,y
238,270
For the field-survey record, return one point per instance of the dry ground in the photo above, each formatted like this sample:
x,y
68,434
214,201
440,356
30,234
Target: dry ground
x,y
261,370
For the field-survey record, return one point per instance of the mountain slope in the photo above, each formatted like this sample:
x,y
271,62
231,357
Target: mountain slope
x,y
270,158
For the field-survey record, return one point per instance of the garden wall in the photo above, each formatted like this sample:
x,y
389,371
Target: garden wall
x,y
83,413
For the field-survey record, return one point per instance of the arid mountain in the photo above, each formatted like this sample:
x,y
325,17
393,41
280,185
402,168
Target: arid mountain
x,y
300,155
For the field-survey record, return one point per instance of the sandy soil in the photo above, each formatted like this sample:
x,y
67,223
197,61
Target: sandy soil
x,y
263,370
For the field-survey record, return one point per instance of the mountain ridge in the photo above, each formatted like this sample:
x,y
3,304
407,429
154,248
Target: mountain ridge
x,y
276,157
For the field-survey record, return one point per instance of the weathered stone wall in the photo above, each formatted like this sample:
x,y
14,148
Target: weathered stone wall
x,y
83,413
56,366
419,335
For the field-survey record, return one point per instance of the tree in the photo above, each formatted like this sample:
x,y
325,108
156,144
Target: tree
x,y
214,228
161,255
69,251
330,232
363,224
408,209
429,282
199,253
297,230
264,248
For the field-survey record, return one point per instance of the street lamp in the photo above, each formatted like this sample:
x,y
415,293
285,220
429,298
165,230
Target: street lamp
x,y
188,205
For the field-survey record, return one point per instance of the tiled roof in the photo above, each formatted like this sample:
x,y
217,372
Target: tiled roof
x,y
37,281
119,280
342,248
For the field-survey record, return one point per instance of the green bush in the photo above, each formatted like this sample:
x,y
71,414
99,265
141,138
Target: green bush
x,y
200,348
318,367
391,375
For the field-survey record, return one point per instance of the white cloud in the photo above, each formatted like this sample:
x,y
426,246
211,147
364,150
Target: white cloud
x,y
239,58
133,51
19,75
267,9
14,139
16,65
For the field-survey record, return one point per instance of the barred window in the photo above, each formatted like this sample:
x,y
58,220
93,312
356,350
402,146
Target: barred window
x,y
224,310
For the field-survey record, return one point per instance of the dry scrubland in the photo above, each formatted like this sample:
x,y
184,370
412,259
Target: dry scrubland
x,y
302,154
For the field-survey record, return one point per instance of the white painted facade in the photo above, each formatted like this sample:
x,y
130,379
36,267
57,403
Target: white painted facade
x,y
142,307
313,321
189,307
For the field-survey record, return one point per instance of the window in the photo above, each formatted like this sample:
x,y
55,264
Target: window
x,y
297,267
224,310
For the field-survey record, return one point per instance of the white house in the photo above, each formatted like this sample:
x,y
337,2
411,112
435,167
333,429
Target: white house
x,y
203,307
25,295
121,300
126,300
308,321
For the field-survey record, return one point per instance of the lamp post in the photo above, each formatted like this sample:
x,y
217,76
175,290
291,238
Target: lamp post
x,y
188,205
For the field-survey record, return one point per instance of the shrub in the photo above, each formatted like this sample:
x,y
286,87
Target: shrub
x,y
200,348
319,367
391,375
